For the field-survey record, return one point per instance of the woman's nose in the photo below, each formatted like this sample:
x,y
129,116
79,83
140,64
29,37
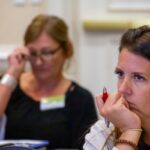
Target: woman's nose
x,y
125,86
39,60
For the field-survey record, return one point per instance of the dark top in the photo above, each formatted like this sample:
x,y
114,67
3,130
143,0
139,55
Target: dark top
x,y
142,145
63,127
145,147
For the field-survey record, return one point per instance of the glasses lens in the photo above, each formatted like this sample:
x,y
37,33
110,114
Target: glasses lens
x,y
45,53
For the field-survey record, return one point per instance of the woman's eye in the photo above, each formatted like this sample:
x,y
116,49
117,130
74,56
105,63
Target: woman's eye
x,y
138,77
33,54
119,74
46,52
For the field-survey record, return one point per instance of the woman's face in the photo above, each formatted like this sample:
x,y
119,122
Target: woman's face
x,y
134,82
46,57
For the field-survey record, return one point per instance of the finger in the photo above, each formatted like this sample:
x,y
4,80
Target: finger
x,y
19,58
23,51
124,102
99,102
26,51
111,99
116,98
24,57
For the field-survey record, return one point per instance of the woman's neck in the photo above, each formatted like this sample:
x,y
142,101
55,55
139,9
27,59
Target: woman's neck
x,y
38,88
48,83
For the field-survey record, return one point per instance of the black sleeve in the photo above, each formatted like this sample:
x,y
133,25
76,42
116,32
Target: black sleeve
x,y
82,115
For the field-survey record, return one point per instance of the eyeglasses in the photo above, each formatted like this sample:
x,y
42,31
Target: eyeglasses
x,y
45,53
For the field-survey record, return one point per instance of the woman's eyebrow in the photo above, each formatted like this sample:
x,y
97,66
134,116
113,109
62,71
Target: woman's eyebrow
x,y
117,69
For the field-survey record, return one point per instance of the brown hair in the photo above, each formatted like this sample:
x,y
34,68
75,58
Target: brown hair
x,y
55,28
137,41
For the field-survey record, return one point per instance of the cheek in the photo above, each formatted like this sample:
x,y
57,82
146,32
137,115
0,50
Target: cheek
x,y
145,96
141,97
60,61
57,63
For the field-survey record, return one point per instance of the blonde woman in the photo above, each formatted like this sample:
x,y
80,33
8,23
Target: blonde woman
x,y
43,104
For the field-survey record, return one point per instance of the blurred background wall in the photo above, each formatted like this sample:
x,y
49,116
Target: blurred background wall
x,y
95,29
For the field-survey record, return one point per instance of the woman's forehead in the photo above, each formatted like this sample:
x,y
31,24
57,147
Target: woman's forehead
x,y
132,61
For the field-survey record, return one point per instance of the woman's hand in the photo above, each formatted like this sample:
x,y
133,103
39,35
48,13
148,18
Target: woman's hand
x,y
116,110
17,60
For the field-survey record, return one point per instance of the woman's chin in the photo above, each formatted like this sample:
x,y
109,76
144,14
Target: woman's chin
x,y
42,76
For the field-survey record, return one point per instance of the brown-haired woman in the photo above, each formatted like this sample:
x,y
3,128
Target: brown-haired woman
x,y
128,109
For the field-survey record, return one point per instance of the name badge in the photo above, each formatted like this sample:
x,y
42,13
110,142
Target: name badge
x,y
53,102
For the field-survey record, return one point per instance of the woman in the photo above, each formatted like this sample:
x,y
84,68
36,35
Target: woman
x,y
45,105
128,109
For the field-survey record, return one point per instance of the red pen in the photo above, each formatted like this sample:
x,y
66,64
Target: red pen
x,y
105,95
104,98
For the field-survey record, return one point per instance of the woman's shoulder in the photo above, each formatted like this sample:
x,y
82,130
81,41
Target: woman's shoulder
x,y
27,83
98,135
25,79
